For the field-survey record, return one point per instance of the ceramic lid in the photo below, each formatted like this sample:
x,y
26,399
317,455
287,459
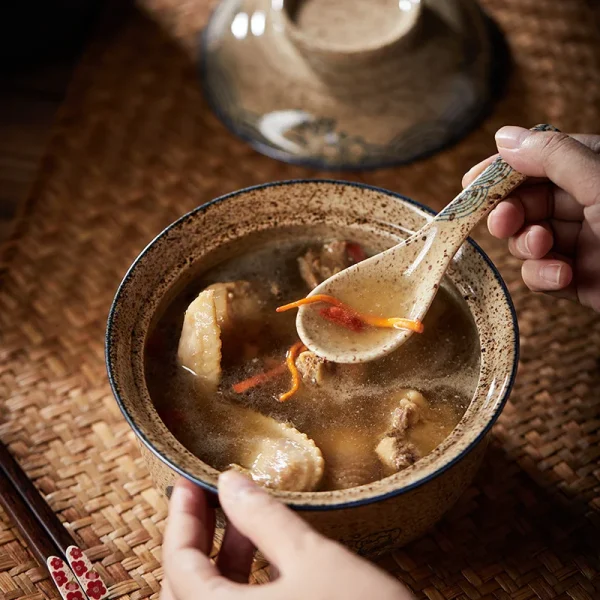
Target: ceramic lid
x,y
347,83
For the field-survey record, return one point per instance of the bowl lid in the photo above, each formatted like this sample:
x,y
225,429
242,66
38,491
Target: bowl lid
x,y
282,76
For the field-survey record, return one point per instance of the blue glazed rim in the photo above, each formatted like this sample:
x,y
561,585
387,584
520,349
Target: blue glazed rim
x,y
496,85
296,505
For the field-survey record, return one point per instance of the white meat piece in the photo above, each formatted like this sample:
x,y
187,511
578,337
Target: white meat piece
x,y
277,455
316,267
200,342
313,368
408,412
396,454
236,302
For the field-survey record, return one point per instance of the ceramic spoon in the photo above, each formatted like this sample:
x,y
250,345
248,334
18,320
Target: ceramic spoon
x,y
403,281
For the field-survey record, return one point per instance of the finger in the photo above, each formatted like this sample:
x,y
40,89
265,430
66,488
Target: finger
x,y
588,252
532,204
480,167
477,170
236,555
568,163
546,201
547,274
275,530
186,545
273,573
166,593
570,291
566,236
191,521
534,241
591,140
507,218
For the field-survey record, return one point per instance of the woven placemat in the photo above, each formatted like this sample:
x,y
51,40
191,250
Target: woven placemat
x,y
135,147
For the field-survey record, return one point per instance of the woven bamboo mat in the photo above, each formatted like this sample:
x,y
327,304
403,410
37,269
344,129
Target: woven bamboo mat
x,y
134,148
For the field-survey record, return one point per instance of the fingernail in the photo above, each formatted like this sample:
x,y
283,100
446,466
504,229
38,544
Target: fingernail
x,y
551,273
511,137
181,497
234,483
523,244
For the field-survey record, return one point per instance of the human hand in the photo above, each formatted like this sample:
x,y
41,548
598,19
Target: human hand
x,y
552,221
308,565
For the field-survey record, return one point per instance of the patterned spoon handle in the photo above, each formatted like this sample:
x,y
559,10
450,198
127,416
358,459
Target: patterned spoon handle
x,y
477,200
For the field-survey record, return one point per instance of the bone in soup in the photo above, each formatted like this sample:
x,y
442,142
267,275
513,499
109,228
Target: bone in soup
x,y
234,385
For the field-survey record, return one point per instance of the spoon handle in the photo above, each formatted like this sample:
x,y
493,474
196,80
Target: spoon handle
x,y
479,198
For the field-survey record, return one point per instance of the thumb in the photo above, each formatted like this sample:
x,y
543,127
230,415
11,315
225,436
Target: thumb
x,y
275,530
559,157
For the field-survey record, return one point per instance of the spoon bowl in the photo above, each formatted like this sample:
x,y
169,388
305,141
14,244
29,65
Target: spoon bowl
x,y
377,286
402,281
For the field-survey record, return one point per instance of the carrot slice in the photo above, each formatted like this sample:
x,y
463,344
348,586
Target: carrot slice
x,y
288,365
396,323
291,365
248,384
311,300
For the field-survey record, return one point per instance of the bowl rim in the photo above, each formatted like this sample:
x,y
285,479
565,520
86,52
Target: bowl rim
x,y
297,505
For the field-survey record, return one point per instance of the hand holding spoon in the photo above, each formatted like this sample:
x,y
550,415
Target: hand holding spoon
x,y
403,281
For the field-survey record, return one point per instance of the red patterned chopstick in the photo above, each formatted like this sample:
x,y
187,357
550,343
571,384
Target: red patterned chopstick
x,y
38,542
72,572
80,578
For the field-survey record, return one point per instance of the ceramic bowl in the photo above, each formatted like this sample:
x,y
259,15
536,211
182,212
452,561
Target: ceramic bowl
x,y
371,518
346,84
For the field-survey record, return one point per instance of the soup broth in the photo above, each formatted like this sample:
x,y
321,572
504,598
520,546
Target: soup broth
x,y
367,421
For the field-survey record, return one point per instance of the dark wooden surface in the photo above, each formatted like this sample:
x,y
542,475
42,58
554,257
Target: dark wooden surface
x,y
29,99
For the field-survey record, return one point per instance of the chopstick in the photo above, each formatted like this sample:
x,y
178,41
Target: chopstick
x,y
38,542
34,535
48,539
46,517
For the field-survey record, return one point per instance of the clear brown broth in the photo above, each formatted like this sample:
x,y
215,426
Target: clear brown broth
x,y
346,418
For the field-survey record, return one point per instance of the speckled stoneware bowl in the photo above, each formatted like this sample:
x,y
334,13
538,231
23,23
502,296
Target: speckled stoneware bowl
x,y
372,518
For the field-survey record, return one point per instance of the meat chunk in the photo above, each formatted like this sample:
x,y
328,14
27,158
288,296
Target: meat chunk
x,y
240,317
309,269
237,304
318,371
333,257
408,413
313,368
396,453
277,455
213,322
200,342
404,416
394,450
